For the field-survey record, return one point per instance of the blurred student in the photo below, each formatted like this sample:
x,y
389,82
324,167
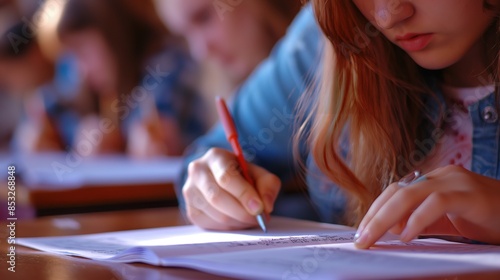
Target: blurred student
x,y
425,73
143,81
229,37
27,74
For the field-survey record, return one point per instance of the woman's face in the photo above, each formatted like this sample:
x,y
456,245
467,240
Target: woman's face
x,y
233,36
95,60
435,33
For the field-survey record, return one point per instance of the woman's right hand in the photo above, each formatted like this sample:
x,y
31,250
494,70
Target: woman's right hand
x,y
218,197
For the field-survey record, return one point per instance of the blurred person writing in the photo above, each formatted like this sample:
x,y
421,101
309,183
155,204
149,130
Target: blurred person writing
x,y
27,74
147,102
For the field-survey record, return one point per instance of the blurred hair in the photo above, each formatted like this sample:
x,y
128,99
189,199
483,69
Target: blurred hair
x,y
279,13
370,97
131,29
11,35
14,42
287,8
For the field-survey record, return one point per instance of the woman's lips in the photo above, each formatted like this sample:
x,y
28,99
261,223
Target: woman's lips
x,y
414,42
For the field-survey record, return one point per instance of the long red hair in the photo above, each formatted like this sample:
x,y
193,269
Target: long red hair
x,y
371,97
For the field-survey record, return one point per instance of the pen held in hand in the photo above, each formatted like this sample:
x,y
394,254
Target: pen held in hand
x,y
232,138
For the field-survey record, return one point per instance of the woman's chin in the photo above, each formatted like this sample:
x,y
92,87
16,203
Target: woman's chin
x,y
433,62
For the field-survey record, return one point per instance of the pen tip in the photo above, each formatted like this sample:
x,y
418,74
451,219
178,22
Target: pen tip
x,y
262,225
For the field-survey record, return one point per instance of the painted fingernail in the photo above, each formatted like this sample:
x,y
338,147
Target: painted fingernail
x,y
254,206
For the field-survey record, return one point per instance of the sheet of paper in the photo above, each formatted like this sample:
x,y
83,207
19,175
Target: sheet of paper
x,y
292,249
60,170
391,259
107,245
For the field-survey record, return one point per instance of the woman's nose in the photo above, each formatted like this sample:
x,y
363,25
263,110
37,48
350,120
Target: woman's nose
x,y
389,13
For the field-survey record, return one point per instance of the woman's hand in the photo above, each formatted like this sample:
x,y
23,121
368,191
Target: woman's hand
x,y
452,201
218,196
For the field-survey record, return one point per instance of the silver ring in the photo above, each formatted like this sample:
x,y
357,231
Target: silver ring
x,y
412,178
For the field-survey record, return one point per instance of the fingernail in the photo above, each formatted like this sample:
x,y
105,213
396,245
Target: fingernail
x,y
405,237
357,235
361,239
359,231
254,206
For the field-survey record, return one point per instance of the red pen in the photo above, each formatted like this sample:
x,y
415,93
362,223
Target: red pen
x,y
232,138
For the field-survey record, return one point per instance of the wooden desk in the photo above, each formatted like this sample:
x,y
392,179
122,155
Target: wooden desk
x,y
99,198
94,184
32,264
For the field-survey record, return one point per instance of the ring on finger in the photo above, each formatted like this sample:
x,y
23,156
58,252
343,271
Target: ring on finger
x,y
412,178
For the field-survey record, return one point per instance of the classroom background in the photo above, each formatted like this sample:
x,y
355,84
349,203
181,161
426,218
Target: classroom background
x,y
102,106
100,99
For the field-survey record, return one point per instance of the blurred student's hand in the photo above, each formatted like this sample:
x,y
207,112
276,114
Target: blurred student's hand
x,y
101,135
38,136
37,133
143,141
218,196
152,137
452,201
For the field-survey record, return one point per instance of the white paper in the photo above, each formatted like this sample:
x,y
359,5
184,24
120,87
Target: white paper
x,y
292,249
343,261
111,244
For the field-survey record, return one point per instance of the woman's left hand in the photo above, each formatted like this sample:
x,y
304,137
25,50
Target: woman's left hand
x,y
452,201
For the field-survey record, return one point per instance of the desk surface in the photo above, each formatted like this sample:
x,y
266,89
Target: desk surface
x,y
59,183
32,264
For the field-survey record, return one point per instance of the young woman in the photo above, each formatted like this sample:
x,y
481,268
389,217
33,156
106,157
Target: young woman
x,y
419,92
407,86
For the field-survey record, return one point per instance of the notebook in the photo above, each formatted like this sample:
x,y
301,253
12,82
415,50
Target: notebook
x,y
291,249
